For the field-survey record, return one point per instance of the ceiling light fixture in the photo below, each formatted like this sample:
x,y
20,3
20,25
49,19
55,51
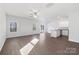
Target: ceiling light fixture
x,y
34,13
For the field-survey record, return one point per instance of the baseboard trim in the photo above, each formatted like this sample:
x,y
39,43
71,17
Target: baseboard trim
x,y
23,36
73,41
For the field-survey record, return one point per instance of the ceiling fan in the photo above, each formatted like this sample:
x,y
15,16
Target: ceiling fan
x,y
34,13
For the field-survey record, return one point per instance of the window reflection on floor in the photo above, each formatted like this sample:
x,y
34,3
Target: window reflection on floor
x,y
27,48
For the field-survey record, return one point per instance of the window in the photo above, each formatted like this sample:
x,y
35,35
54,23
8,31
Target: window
x,y
42,27
13,27
34,27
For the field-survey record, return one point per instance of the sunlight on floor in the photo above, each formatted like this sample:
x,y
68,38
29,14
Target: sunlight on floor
x,y
27,48
34,41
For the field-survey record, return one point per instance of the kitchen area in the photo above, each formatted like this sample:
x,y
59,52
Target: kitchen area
x,y
58,29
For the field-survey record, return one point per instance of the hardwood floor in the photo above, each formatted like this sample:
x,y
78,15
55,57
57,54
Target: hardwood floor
x,y
45,46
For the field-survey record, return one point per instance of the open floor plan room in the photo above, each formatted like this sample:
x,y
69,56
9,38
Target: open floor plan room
x,y
39,29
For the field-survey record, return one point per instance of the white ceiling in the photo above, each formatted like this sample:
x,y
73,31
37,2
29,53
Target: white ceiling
x,y
46,11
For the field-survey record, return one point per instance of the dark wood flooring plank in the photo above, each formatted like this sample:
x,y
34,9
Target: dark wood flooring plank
x,y
45,46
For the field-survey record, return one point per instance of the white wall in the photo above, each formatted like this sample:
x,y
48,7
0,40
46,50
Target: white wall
x,y
2,28
24,26
74,27
52,26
